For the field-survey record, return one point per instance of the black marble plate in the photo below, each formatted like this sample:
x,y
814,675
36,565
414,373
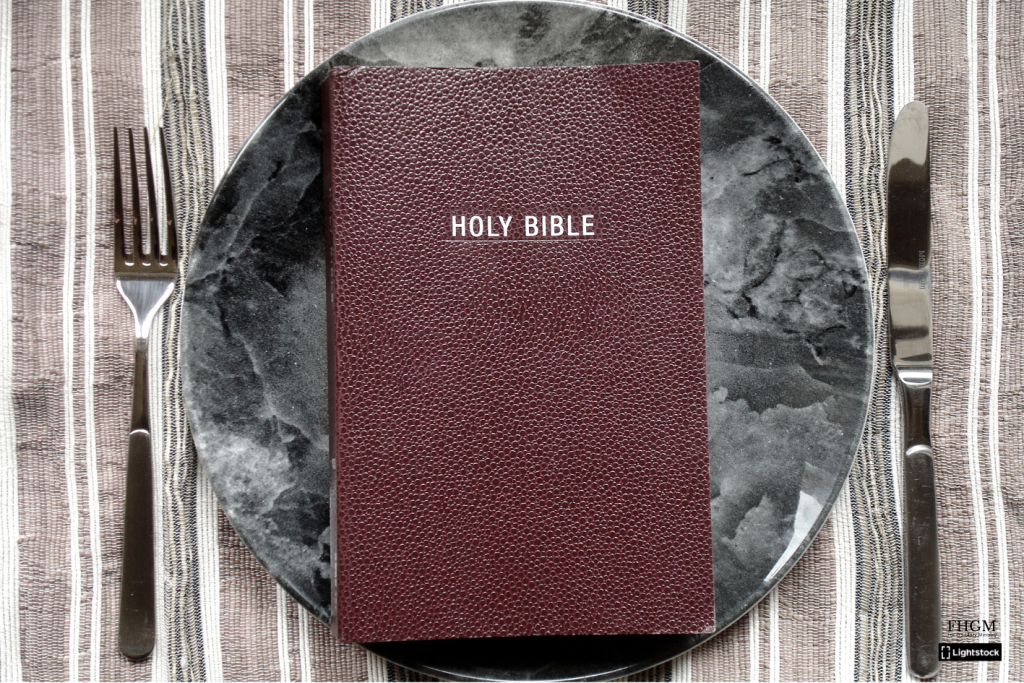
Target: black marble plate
x,y
788,328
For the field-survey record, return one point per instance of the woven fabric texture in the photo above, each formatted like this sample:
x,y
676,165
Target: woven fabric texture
x,y
209,70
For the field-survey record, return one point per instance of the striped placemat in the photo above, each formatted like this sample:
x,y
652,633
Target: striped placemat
x,y
209,70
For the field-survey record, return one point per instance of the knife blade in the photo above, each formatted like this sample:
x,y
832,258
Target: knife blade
x,y
910,346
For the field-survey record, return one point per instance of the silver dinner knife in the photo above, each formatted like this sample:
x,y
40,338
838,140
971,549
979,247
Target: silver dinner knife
x,y
910,346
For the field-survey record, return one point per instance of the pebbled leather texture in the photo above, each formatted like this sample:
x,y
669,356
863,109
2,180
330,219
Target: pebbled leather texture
x,y
520,423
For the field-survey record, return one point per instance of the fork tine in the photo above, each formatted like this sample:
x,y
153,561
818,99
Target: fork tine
x,y
136,211
118,208
154,230
172,229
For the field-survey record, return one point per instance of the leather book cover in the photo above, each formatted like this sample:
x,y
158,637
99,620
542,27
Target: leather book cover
x,y
517,357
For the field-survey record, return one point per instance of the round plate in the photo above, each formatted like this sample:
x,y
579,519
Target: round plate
x,y
787,312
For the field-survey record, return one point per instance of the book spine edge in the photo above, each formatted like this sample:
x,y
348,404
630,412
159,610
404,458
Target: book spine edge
x,y
327,117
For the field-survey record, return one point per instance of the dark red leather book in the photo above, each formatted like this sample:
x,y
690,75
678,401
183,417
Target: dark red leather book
x,y
518,396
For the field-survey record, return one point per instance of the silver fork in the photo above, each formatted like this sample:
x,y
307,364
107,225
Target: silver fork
x,y
145,280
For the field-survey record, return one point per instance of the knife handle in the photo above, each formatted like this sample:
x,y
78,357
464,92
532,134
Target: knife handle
x,y
921,538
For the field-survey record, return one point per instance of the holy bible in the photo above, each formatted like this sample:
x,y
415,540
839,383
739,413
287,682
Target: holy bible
x,y
517,360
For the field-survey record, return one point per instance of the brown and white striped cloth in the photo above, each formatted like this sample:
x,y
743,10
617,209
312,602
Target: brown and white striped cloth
x,y
209,70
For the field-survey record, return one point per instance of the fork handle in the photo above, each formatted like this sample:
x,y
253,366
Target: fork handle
x,y
137,618
140,386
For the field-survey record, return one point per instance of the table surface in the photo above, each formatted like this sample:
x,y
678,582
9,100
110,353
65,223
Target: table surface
x,y
210,71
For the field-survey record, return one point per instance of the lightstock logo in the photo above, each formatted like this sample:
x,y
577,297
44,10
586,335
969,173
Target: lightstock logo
x,y
967,629
978,652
